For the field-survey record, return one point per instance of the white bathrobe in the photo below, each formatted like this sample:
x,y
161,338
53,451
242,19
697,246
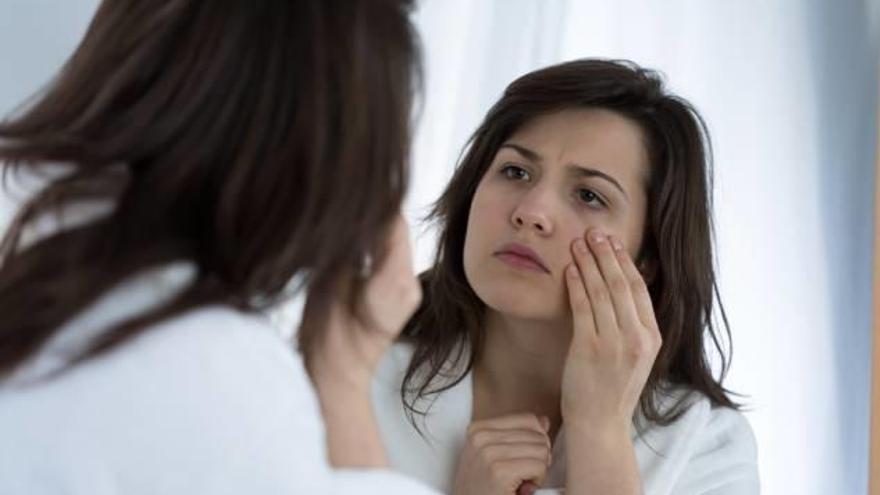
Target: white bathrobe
x,y
706,452
210,402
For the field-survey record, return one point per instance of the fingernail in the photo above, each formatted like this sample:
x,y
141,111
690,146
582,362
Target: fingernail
x,y
581,246
597,237
616,244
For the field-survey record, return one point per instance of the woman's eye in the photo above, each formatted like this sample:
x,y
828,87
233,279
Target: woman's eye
x,y
589,197
513,172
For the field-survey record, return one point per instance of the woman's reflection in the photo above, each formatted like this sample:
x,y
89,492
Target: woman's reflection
x,y
561,337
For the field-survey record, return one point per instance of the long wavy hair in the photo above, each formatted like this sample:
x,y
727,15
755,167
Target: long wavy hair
x,y
677,238
258,140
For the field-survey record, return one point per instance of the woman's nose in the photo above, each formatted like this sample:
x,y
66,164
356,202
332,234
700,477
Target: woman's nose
x,y
532,217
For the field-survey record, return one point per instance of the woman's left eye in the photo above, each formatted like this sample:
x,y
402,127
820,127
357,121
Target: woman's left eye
x,y
589,197
514,173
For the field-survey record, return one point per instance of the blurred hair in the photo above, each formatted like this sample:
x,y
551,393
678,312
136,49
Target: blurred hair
x,y
259,140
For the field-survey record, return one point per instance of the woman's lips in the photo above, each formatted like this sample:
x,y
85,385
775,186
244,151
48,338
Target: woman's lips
x,y
520,256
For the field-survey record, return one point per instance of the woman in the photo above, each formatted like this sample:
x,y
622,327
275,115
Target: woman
x,y
560,339
204,167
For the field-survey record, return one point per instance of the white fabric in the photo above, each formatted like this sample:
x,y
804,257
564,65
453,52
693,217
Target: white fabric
x,y
706,452
211,402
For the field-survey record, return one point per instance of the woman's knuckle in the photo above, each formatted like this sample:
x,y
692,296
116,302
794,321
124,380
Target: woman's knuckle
x,y
636,349
478,439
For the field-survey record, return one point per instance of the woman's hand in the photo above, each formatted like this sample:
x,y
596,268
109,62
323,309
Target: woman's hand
x,y
344,359
352,344
503,453
615,341
615,338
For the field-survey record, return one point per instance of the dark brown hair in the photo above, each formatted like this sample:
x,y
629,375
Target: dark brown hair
x,y
260,140
677,237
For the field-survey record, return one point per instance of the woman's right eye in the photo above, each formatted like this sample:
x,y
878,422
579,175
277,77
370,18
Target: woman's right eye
x,y
513,172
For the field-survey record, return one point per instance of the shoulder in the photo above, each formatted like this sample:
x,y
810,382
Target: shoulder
x,y
713,428
217,339
210,395
199,351
727,430
707,446
205,359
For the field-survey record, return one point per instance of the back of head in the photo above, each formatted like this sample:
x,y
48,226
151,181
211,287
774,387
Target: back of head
x,y
257,139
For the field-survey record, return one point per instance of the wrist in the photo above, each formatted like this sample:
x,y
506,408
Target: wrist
x,y
595,426
611,435
601,459
333,366
341,388
352,434
332,379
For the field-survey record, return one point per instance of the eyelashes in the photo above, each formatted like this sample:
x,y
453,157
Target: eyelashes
x,y
514,173
586,196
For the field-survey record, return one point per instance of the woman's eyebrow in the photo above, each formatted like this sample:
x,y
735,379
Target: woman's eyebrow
x,y
525,152
581,171
574,169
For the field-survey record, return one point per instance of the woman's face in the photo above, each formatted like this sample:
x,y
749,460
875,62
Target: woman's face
x,y
557,176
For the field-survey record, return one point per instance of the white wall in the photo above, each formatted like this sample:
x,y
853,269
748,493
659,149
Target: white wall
x,y
789,91
36,37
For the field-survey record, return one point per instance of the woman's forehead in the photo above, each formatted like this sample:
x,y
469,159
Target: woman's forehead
x,y
588,137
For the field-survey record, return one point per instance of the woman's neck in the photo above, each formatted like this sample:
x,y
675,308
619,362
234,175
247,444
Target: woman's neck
x,y
520,368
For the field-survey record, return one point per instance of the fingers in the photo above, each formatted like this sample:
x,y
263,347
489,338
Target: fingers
x,y
597,292
511,437
393,293
615,282
638,288
520,451
484,436
582,311
513,472
617,299
525,421
503,452
398,256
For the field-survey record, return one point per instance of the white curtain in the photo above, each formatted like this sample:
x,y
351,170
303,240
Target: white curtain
x,y
789,92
